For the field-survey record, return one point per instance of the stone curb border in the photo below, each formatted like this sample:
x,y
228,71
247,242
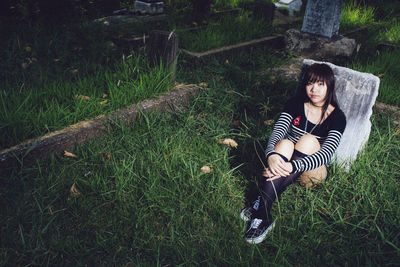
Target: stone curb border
x,y
56,142
273,41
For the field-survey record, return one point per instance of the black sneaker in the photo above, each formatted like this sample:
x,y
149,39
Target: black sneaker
x,y
258,230
247,213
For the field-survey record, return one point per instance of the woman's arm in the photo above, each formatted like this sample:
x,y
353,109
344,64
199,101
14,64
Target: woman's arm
x,y
280,129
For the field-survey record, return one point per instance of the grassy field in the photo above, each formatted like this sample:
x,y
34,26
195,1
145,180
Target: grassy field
x,y
138,197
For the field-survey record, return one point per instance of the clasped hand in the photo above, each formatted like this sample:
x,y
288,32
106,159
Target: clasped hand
x,y
277,167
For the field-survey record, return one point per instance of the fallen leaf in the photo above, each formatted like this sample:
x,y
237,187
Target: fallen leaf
x,y
34,59
28,48
205,169
210,103
236,123
397,133
203,84
269,122
24,65
84,97
105,95
74,192
191,117
103,102
194,23
69,154
108,156
229,142
74,71
56,59
226,61
380,75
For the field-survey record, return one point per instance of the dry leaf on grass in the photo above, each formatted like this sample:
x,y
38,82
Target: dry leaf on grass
x,y
56,59
205,169
105,95
229,142
203,84
103,102
108,156
397,133
269,122
28,49
82,97
74,192
74,71
69,154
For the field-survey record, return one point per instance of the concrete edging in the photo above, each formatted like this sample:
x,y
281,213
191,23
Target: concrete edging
x,y
274,41
56,142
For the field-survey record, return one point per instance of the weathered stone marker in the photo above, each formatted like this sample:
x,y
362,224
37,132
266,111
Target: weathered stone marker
x,y
322,17
264,10
163,47
318,38
291,5
356,93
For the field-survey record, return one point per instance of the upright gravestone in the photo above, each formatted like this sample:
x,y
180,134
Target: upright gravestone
x,y
356,93
163,47
264,10
322,17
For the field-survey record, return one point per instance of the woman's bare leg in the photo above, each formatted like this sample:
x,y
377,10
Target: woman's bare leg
x,y
285,147
308,145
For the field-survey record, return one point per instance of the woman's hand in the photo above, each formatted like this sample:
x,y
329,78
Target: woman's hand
x,y
278,167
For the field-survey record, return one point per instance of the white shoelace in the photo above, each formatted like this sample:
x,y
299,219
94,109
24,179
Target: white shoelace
x,y
255,223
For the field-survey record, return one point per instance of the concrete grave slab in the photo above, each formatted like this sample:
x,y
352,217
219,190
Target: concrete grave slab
x,y
356,93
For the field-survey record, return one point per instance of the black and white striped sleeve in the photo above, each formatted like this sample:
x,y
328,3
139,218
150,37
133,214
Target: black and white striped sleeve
x,y
280,129
323,156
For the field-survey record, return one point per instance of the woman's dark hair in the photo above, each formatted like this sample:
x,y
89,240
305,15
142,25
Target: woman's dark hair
x,y
319,73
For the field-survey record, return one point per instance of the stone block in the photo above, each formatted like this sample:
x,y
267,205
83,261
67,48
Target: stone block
x,y
318,47
356,93
322,17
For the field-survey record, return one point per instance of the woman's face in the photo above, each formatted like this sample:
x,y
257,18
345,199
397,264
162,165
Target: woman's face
x,y
316,92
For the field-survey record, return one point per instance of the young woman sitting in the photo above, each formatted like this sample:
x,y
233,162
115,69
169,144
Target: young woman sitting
x,y
302,143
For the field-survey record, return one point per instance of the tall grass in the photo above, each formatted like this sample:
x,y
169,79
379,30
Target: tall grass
x,y
30,111
144,201
386,66
229,30
355,14
390,33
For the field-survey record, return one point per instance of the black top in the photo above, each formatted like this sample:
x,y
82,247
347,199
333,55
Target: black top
x,y
291,125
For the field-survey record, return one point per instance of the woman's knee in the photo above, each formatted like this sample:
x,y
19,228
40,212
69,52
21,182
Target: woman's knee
x,y
285,147
307,144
